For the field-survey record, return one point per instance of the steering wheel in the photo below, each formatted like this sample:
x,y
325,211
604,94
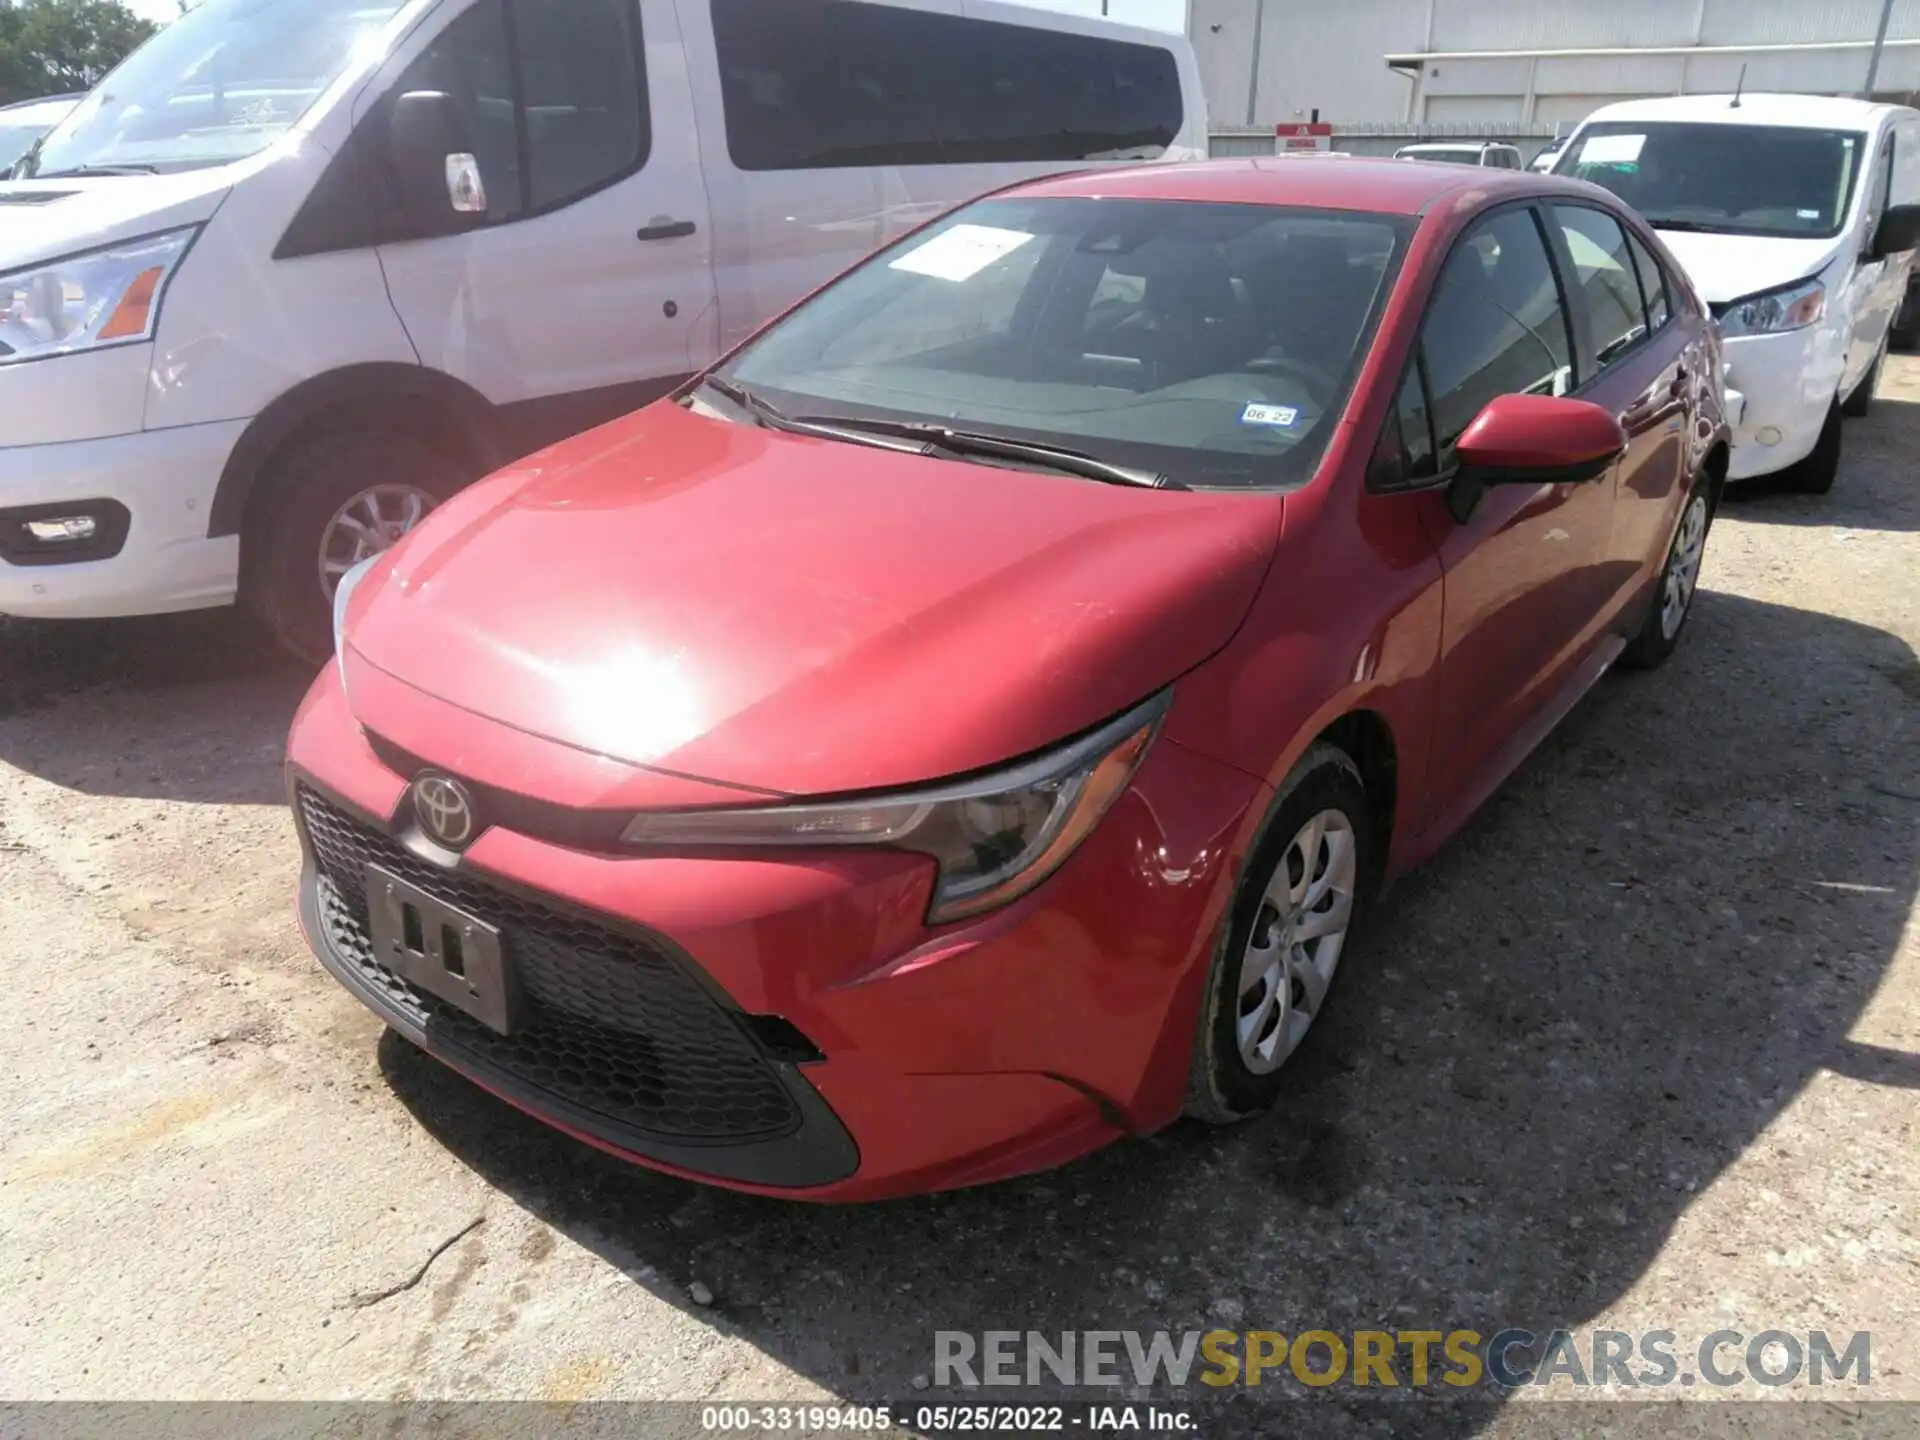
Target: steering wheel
x,y
1310,379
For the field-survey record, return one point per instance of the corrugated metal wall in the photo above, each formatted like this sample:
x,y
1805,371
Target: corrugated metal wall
x,y
1331,55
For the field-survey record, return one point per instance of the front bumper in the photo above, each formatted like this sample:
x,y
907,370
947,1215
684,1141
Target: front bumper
x,y
950,1057
1786,384
165,480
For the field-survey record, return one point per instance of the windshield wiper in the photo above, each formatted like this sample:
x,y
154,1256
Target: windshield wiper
x,y
77,170
974,442
763,413
1692,227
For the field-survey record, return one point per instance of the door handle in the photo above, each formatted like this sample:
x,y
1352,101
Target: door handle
x,y
661,228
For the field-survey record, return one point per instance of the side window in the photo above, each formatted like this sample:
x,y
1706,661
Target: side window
x,y
1653,283
584,93
1495,325
470,60
1416,428
1604,277
820,84
567,71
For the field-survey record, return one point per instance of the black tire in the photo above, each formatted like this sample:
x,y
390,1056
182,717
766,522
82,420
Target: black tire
x,y
1221,1088
1655,641
1860,402
305,487
1815,474
1905,334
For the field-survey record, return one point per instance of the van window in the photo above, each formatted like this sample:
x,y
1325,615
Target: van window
x,y
1603,275
566,70
222,82
819,84
1495,326
1724,179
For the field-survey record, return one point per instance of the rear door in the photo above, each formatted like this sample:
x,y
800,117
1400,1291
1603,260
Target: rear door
x,y
589,287
1633,362
1519,571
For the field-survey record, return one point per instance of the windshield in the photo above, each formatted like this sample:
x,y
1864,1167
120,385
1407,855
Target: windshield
x,y
1730,179
222,82
1213,344
15,137
1447,157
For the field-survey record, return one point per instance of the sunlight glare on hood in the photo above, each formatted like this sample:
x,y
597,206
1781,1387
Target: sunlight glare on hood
x,y
634,704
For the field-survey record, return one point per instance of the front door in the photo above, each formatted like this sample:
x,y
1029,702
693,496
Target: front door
x,y
589,288
1520,571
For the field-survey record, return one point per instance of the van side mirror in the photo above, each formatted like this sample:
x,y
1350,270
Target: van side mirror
x,y
433,160
1532,440
1898,233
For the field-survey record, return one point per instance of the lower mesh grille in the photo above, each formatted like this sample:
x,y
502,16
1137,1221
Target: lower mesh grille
x,y
612,1026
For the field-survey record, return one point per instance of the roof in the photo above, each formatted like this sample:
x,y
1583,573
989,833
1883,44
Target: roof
x,y
1382,186
1812,112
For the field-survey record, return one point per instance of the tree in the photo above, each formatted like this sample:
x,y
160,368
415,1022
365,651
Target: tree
x,y
48,47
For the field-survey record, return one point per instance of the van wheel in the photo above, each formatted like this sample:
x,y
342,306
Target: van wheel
x,y
1297,902
1861,400
1815,474
329,501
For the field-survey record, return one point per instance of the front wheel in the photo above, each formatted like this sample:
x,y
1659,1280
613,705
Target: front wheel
x,y
1815,474
1299,896
1673,592
329,502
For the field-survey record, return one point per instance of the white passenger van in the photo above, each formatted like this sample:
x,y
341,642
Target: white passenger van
x,y
298,269
1795,216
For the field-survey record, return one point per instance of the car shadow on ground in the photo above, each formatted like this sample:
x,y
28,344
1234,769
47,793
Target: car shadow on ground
x,y
1551,1039
188,707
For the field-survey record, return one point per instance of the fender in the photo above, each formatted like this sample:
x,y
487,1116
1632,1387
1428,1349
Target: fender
x,y
410,395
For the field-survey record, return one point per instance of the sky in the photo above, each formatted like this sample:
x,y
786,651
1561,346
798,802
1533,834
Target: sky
x,y
1163,14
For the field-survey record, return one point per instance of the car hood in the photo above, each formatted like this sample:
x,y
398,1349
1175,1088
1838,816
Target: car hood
x,y
804,616
43,220
1729,267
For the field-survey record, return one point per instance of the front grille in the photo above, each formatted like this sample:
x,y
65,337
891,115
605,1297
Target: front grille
x,y
611,1025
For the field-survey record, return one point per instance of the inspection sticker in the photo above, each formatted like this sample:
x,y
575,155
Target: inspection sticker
x,y
1285,416
962,252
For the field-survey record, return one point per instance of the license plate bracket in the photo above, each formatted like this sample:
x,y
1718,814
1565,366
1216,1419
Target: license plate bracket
x,y
441,949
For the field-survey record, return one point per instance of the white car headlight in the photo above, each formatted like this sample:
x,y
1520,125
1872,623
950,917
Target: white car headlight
x,y
109,296
1792,307
995,837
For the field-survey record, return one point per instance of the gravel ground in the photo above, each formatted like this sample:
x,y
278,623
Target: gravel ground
x,y
1640,1050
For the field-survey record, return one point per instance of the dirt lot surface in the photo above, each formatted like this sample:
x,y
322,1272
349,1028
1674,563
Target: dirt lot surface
x,y
1640,1050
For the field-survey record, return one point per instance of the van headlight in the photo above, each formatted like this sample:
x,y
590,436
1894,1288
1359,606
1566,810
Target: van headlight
x,y
994,837
109,296
1792,307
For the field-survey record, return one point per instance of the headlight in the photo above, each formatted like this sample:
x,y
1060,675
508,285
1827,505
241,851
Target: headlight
x,y
1793,307
109,296
994,837
342,593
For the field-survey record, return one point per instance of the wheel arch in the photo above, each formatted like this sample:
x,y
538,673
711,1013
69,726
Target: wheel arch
x,y
396,396
1366,738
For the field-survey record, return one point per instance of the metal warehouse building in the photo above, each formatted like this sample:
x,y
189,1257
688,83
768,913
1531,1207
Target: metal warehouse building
x,y
1494,66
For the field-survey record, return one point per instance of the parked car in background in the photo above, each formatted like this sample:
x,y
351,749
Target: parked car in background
x,y
295,274
1494,156
1544,157
1796,217
25,122
964,727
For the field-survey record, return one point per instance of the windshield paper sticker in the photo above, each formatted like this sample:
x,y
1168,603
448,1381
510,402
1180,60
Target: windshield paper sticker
x,y
962,252
1284,416
1612,150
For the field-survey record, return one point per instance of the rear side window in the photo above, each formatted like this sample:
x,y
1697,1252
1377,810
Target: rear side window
x,y
1603,275
1495,325
820,84
1653,282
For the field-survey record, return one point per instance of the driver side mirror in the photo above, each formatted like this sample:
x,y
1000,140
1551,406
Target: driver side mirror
x,y
433,160
1898,232
1532,440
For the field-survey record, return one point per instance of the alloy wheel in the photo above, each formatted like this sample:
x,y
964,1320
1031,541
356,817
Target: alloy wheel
x,y
1683,567
371,522
1297,937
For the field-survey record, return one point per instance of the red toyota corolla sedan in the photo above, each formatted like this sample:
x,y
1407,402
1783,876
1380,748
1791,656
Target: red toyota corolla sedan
x,y
965,727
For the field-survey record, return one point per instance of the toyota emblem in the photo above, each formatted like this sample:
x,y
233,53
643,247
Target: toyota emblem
x,y
444,809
